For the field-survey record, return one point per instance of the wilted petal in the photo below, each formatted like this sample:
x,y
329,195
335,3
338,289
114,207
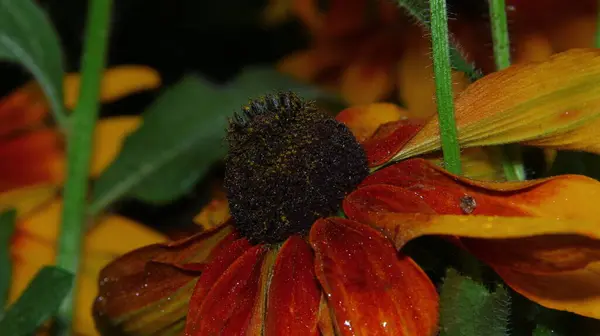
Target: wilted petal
x,y
148,290
228,307
293,299
370,287
547,228
554,103
31,158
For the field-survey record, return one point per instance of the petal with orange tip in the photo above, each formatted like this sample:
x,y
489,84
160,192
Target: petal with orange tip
x,y
370,288
542,232
31,158
117,82
148,290
552,104
34,246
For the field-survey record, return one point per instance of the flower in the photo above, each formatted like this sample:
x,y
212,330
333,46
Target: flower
x,y
31,171
283,263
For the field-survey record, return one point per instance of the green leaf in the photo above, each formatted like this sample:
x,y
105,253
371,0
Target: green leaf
x,y
7,227
467,308
182,136
28,37
40,300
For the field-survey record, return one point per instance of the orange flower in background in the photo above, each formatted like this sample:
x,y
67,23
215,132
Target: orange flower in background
x,y
282,265
32,151
31,172
369,51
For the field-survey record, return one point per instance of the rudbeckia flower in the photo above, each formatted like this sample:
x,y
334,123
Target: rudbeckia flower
x,y
287,262
31,171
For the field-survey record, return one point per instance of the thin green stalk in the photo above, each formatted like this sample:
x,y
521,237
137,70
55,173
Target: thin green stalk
x,y
500,33
80,145
443,85
418,9
597,39
512,162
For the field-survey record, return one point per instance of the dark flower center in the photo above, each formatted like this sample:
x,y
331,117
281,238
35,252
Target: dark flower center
x,y
288,165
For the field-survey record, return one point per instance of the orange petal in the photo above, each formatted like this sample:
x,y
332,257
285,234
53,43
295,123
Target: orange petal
x,y
108,140
149,289
364,120
310,65
117,82
552,104
478,163
370,288
227,309
534,232
23,108
293,299
33,246
31,158
364,82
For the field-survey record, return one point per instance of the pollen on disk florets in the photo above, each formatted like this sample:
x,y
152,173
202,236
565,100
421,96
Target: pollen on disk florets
x,y
288,165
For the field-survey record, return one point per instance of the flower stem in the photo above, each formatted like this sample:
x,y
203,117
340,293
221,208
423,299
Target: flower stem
x,y
597,39
79,148
418,9
500,34
512,162
443,85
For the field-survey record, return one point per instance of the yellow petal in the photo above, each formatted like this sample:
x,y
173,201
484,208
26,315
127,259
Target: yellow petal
x,y
552,104
117,82
108,140
478,163
26,200
34,246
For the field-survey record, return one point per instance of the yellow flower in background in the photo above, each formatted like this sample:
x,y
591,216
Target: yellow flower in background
x,y
32,162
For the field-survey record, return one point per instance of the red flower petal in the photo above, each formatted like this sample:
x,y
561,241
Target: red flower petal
x,y
227,255
371,288
228,307
389,139
294,294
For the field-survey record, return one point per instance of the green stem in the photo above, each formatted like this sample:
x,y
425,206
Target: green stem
x,y
500,34
418,9
443,85
597,39
512,161
80,145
